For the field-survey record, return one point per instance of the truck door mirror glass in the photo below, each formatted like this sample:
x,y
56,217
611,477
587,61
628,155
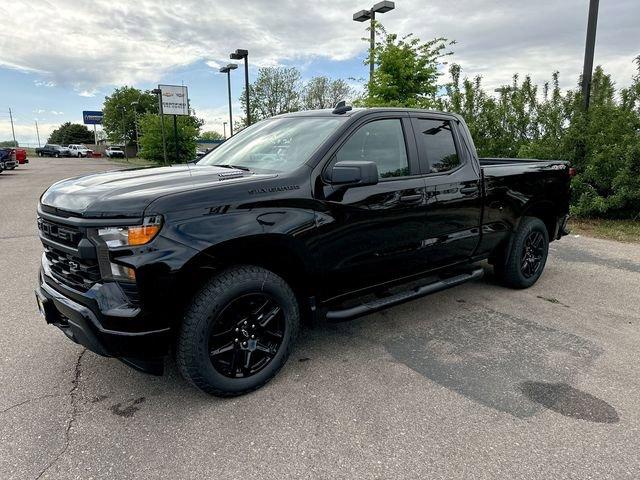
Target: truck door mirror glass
x,y
354,173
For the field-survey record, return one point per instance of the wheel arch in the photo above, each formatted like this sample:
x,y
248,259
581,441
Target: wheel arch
x,y
282,254
544,210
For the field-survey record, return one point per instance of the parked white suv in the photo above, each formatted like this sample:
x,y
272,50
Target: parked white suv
x,y
79,151
114,152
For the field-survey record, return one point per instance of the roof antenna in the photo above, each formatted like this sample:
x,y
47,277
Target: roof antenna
x,y
341,108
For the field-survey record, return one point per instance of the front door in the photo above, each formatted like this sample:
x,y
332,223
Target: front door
x,y
373,234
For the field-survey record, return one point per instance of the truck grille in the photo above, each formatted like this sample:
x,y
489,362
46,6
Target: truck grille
x,y
64,234
79,274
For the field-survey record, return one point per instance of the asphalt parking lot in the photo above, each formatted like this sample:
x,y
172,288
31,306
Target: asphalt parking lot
x,y
476,382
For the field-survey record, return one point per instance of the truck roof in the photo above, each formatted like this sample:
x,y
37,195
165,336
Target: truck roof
x,y
356,112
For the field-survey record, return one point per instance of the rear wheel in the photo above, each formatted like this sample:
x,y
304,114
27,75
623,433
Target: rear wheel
x,y
238,331
523,263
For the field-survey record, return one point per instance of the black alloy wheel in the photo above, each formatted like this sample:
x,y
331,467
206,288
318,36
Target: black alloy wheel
x,y
238,331
247,335
532,254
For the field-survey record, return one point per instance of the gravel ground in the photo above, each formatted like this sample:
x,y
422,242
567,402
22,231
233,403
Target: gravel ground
x,y
476,382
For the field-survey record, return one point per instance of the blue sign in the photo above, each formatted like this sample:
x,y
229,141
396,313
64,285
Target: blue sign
x,y
92,118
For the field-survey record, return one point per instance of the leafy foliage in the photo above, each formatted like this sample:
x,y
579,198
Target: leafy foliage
x,y
7,143
211,135
121,111
69,133
151,138
322,92
407,71
276,90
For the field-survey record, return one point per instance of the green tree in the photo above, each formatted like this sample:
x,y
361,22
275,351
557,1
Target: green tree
x,y
68,133
407,71
322,92
121,109
151,138
276,90
211,135
7,143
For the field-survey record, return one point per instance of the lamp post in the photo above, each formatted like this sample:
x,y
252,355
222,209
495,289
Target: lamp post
x,y
240,54
363,16
124,134
227,70
134,104
589,50
158,92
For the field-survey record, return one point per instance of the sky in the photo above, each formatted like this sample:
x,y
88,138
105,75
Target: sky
x,y
58,58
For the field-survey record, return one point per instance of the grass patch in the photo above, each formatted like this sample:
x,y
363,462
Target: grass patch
x,y
621,230
133,162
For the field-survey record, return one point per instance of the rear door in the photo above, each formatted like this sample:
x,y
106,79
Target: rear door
x,y
453,195
373,234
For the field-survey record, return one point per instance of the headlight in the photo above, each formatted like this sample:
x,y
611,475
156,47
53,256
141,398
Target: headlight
x,y
133,235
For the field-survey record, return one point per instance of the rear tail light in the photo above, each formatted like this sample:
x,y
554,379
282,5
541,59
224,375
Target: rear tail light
x,y
572,172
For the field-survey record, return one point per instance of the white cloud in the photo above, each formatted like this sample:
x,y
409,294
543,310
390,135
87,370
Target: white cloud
x,y
123,42
42,83
88,93
54,112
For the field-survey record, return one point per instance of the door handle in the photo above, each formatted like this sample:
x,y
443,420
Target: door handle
x,y
467,190
411,198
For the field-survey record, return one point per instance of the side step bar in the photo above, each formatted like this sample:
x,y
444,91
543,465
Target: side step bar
x,y
382,303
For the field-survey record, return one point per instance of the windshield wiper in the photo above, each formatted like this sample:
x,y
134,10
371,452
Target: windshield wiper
x,y
237,167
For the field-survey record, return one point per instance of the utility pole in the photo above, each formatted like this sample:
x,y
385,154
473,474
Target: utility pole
x,y
589,51
13,132
158,92
124,137
38,133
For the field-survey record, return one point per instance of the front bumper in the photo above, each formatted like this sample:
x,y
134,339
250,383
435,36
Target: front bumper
x,y
80,318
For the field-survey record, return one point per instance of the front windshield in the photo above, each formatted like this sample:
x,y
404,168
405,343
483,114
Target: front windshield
x,y
274,145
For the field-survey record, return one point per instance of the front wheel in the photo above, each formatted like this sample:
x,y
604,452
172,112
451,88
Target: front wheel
x,y
238,331
523,263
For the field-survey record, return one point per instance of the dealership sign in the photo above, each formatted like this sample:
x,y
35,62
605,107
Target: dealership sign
x,y
174,100
92,118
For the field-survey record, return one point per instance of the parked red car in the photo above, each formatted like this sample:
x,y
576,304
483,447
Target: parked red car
x,y
21,156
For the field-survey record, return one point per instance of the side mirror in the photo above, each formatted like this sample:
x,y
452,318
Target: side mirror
x,y
354,173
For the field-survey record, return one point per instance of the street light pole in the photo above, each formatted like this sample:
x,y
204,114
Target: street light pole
x,y
134,104
240,54
587,72
158,92
124,136
363,16
227,70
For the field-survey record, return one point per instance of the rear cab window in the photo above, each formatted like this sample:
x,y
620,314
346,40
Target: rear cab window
x,y
437,144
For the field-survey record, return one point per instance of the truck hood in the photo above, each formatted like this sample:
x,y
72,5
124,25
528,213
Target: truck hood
x,y
126,193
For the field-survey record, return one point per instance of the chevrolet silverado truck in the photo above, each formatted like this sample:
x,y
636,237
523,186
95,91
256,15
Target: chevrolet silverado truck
x,y
310,216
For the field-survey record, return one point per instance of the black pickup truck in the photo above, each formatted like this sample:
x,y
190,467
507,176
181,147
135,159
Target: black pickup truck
x,y
320,215
53,150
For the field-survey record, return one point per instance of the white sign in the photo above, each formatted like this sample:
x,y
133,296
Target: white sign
x,y
174,100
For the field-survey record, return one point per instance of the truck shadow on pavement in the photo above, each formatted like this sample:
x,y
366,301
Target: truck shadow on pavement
x,y
503,362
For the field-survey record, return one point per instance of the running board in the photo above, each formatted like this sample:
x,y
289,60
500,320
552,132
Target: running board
x,y
382,303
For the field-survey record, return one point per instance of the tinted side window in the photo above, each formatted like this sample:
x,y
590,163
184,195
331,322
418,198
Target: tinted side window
x,y
437,139
382,142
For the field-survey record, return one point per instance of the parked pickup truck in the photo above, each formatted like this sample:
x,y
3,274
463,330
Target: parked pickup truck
x,y
8,159
52,150
321,215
